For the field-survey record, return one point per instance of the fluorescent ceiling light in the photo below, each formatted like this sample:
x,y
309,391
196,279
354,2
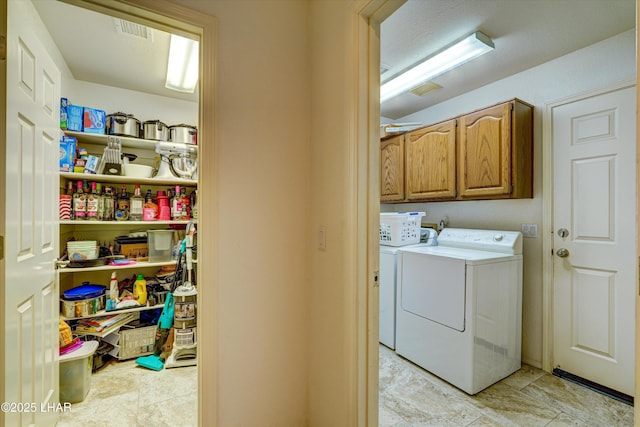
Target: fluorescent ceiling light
x,y
182,68
449,58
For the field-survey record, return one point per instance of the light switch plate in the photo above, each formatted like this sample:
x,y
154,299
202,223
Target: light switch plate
x,y
322,238
529,230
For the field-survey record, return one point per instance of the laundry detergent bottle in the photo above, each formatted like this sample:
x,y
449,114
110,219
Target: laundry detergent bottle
x,y
140,290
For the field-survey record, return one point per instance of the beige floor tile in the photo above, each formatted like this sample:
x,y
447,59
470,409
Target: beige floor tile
x,y
580,402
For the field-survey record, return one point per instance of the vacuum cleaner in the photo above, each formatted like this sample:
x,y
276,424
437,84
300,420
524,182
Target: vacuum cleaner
x,y
165,339
184,349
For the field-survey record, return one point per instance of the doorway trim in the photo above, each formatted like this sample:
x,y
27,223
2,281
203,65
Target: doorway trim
x,y
365,72
547,216
177,19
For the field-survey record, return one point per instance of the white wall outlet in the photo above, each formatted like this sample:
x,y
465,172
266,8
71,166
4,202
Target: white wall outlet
x,y
529,230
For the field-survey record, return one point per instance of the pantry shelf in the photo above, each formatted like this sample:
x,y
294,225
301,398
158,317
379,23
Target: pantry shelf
x,y
127,141
141,264
120,179
102,313
110,223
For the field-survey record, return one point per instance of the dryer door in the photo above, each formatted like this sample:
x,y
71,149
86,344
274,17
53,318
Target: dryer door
x,y
433,287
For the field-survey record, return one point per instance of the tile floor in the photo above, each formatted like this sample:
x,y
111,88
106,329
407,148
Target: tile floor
x,y
412,397
409,397
125,395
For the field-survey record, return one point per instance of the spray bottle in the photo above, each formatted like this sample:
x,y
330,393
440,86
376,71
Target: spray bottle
x,y
113,292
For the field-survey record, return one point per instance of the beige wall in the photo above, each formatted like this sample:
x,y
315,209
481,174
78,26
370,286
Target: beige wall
x,y
330,379
263,209
288,312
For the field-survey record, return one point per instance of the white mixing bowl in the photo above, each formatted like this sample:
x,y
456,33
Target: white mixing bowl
x,y
138,171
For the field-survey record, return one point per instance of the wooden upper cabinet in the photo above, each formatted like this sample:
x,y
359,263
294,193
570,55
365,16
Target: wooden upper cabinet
x,y
495,157
431,162
392,169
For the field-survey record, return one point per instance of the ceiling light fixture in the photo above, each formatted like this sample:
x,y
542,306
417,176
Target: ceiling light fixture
x,y
182,67
447,59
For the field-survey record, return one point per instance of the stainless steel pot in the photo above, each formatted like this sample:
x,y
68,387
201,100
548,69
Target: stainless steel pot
x,y
155,130
123,124
183,133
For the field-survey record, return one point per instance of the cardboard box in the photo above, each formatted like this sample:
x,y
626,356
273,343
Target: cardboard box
x,y
397,128
94,120
137,251
91,166
74,118
64,103
67,153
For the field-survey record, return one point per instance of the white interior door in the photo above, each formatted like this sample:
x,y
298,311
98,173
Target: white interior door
x,y
31,297
594,202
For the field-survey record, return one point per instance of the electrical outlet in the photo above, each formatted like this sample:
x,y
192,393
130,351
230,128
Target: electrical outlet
x,y
529,230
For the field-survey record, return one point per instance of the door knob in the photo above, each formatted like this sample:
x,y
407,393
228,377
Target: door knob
x,y
562,252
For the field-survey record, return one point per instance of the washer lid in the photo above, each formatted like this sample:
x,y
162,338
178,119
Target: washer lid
x,y
469,255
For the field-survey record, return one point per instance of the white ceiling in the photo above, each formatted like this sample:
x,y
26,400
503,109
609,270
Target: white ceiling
x,y
525,33
95,52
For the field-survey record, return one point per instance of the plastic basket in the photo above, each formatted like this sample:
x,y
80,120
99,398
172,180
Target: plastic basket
x,y
400,228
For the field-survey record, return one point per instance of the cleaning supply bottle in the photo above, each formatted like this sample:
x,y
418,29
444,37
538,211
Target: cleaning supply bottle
x,y
140,290
113,292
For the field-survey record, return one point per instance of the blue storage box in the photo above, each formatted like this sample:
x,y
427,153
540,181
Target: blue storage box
x,y
64,104
94,120
67,153
74,118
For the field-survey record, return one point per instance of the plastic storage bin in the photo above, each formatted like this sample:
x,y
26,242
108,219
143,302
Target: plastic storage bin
x,y
75,373
160,245
400,228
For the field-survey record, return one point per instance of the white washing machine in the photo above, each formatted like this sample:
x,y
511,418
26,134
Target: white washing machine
x,y
388,285
459,306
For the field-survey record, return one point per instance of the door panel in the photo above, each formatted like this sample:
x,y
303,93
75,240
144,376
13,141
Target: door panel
x,y
594,217
31,302
431,162
594,290
594,261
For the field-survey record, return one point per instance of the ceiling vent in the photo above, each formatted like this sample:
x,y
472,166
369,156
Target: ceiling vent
x,y
425,88
133,30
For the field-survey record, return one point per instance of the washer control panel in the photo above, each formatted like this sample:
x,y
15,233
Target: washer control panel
x,y
508,242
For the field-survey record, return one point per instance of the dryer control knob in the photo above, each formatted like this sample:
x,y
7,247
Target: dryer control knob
x,y
498,237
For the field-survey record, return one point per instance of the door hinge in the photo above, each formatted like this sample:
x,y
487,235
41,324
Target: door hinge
x,y
376,279
1,248
3,47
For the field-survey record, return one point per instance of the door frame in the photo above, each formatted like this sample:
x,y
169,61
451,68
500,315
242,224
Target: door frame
x,y
547,217
365,174
178,19
3,174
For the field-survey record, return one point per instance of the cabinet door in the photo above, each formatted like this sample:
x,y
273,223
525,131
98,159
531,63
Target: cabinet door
x,y
431,162
485,153
392,169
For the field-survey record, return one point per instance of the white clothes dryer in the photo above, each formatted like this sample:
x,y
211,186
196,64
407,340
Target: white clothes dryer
x,y
388,286
459,306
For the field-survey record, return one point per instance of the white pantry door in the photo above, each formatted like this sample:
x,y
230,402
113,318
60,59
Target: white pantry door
x,y
594,205
31,297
